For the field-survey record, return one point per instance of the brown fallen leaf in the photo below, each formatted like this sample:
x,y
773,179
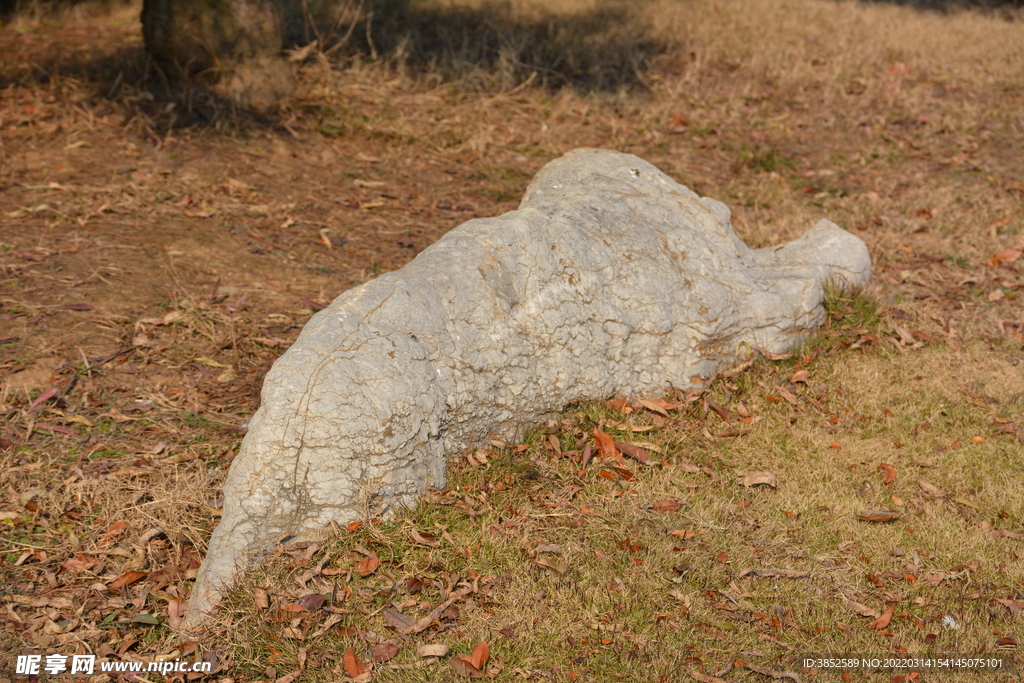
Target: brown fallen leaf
x,y
465,668
170,573
585,458
1008,255
619,405
1006,533
432,650
1014,606
634,452
552,563
125,579
383,652
658,405
353,667
882,621
424,538
665,505
115,530
480,654
878,516
368,564
862,610
930,489
606,446
889,472
800,376
770,355
758,479
312,601
721,411
682,533
791,398
398,621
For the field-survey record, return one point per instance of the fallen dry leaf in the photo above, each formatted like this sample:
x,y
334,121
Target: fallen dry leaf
x,y
682,533
552,563
353,667
658,405
758,479
719,410
878,516
889,472
433,650
115,530
882,621
930,489
125,579
800,376
606,446
770,355
465,668
480,654
619,405
634,452
1014,606
398,621
862,610
424,538
665,505
383,652
1008,255
368,564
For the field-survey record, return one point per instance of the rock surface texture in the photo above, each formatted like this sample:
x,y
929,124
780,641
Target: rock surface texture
x,y
610,279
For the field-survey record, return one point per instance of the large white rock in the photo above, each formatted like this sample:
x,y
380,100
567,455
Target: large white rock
x,y
610,279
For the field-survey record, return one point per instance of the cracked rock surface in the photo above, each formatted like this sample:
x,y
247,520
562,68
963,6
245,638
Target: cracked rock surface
x,y
610,279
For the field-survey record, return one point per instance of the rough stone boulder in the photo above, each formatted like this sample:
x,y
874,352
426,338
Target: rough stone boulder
x,y
610,279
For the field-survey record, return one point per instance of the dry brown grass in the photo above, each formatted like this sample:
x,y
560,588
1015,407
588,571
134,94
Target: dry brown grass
x,y
118,210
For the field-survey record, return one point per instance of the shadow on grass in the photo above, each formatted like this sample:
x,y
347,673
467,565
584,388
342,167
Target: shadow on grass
x,y
1004,7
606,48
491,46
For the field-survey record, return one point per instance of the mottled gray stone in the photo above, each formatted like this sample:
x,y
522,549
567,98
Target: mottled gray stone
x,y
610,279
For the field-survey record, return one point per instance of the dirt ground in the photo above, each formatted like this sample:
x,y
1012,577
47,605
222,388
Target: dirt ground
x,y
155,258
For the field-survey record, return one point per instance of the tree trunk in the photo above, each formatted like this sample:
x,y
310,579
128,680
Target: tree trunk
x,y
235,45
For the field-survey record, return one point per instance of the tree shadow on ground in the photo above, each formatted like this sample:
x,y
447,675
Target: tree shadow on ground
x,y
493,46
606,48
1005,7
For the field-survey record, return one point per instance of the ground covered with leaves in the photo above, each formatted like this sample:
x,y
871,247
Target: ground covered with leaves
x,y
861,496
